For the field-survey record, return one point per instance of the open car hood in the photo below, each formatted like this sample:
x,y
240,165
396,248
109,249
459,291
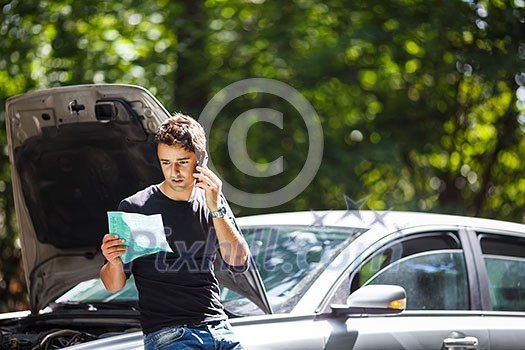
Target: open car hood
x,y
75,152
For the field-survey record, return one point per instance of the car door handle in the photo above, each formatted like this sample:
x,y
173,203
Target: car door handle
x,y
465,343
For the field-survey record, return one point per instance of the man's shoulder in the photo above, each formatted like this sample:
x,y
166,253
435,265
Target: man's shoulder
x,y
139,198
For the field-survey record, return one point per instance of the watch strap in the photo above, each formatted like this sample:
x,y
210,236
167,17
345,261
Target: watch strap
x,y
218,213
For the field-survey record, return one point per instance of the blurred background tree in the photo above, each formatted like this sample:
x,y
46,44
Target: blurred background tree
x,y
422,102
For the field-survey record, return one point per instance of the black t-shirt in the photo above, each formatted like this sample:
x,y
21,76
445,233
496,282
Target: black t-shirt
x,y
180,287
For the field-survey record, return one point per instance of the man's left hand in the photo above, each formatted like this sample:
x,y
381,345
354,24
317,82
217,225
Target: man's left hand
x,y
211,184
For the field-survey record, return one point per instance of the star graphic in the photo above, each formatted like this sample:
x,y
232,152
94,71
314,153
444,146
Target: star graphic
x,y
353,208
318,219
355,205
379,216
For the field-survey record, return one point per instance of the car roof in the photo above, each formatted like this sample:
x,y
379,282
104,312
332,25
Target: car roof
x,y
374,220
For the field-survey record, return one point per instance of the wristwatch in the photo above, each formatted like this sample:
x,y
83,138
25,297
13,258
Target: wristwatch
x,y
218,213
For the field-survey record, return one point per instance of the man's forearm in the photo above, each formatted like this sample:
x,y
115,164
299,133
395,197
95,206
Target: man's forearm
x,y
113,276
233,246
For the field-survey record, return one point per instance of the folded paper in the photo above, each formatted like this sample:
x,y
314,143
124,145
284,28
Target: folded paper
x,y
144,234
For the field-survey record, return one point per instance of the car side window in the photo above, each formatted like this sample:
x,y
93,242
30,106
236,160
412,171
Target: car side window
x,y
504,258
431,268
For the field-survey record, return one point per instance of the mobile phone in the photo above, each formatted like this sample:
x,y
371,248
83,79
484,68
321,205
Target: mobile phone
x,y
202,158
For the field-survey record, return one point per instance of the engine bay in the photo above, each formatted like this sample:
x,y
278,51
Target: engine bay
x,y
60,330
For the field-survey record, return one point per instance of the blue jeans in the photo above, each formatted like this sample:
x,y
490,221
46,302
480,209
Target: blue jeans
x,y
214,336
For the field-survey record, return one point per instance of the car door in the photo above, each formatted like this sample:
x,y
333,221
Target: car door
x,y
500,258
437,270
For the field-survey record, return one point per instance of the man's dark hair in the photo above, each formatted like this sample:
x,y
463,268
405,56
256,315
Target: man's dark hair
x,y
182,130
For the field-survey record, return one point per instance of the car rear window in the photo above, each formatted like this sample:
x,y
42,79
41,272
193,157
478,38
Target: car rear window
x,y
504,257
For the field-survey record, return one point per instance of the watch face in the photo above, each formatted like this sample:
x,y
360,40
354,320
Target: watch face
x,y
219,212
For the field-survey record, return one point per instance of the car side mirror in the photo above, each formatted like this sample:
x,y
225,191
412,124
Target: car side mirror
x,y
377,299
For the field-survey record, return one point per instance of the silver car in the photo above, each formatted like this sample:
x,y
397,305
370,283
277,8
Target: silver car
x,y
320,279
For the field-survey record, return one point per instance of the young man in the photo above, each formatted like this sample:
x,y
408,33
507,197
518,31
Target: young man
x,y
179,294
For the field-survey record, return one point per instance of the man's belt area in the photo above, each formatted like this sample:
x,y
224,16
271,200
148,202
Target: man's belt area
x,y
198,324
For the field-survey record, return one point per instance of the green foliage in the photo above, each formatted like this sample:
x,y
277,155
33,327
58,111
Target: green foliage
x,y
422,103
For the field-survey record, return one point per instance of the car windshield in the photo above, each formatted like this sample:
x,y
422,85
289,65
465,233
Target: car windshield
x,y
289,259
94,291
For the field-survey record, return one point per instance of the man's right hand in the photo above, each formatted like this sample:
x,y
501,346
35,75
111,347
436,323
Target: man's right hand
x,y
112,248
112,273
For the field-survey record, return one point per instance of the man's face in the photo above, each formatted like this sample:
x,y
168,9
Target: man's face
x,y
178,166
